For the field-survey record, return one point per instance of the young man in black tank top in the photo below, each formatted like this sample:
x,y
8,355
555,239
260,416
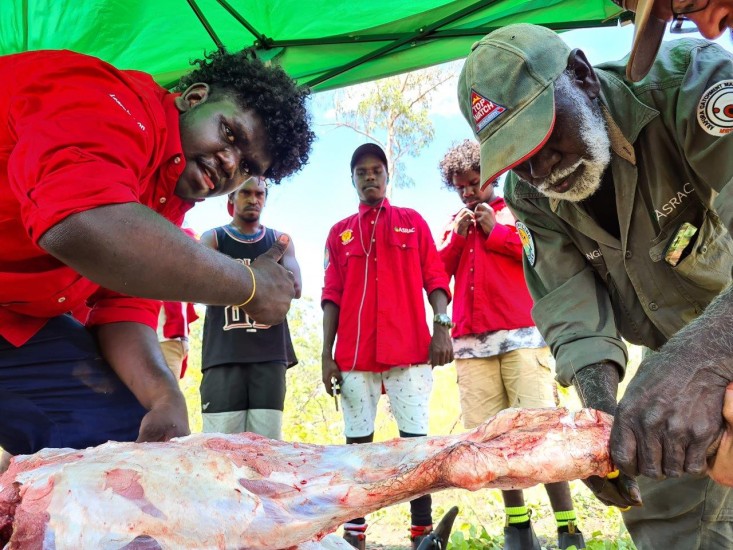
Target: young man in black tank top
x,y
244,362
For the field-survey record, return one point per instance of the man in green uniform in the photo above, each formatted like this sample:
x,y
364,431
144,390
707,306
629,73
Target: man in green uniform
x,y
620,192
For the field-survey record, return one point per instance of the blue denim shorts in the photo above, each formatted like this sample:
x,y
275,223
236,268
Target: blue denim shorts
x,y
57,391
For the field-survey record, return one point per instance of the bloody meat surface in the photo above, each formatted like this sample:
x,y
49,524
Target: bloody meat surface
x,y
246,491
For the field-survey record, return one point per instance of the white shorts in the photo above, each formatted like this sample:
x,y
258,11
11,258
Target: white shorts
x,y
408,389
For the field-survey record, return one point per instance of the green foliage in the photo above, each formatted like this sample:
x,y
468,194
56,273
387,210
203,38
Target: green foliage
x,y
394,112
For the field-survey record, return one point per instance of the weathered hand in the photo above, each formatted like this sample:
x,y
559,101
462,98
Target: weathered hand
x,y
485,217
463,221
668,417
721,464
329,370
621,491
441,347
167,419
275,285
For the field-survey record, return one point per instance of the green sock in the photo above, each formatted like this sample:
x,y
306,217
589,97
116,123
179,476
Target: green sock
x,y
562,518
516,515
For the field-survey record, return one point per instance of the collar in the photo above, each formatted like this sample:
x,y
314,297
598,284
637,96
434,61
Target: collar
x,y
364,208
173,123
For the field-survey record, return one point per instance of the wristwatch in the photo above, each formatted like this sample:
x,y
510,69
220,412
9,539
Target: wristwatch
x,y
443,319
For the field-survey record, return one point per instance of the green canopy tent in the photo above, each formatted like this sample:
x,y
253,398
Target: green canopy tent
x,y
321,43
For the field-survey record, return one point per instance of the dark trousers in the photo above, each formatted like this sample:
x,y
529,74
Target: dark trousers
x,y
57,391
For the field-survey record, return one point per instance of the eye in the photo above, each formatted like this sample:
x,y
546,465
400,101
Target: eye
x,y
229,134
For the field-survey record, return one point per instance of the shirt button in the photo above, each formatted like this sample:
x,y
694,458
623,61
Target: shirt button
x,y
347,253
703,249
653,306
372,222
628,254
162,200
471,269
177,160
404,246
471,250
471,288
62,300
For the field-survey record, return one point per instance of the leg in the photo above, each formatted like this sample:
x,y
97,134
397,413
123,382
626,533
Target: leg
x,y
684,512
360,393
266,396
174,351
481,389
224,399
528,378
408,390
57,391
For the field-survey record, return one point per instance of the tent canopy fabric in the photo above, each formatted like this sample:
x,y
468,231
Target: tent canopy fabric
x,y
321,43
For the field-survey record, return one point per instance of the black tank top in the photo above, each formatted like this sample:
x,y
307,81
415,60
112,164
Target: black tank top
x,y
230,336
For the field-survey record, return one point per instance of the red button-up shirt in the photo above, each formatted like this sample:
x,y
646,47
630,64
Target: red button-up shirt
x,y
395,266
490,292
76,134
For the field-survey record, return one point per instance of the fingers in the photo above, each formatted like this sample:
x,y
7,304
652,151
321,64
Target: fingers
x,y
278,248
623,448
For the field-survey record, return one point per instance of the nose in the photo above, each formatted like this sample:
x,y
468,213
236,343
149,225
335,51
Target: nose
x,y
709,21
229,161
468,192
541,165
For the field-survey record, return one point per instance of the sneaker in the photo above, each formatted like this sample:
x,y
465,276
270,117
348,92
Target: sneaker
x,y
571,537
358,541
516,538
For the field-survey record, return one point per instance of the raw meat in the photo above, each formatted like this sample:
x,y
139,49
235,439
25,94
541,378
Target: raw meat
x,y
246,491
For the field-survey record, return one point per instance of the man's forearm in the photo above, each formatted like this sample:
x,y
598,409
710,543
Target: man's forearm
x,y
597,386
438,301
133,352
707,342
130,249
330,324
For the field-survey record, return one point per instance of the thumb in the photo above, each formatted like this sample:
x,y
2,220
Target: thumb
x,y
728,404
278,248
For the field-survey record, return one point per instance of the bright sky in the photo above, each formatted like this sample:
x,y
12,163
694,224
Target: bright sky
x,y
307,204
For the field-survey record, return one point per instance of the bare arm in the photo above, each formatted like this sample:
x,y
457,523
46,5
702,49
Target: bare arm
x,y
441,347
133,352
290,263
130,249
329,367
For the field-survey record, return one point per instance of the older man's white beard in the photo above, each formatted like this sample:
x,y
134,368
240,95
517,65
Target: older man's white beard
x,y
594,134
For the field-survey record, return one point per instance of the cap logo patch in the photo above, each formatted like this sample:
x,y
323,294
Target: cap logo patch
x,y
484,110
346,236
715,109
527,242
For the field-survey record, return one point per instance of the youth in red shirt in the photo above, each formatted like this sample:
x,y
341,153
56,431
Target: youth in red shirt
x,y
378,262
93,161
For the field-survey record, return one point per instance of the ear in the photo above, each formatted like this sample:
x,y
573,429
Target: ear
x,y
585,77
194,94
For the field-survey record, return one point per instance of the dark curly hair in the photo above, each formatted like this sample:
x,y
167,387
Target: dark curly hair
x,y
271,93
460,159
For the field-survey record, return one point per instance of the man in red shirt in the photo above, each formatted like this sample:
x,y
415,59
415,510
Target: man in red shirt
x,y
500,356
377,310
95,164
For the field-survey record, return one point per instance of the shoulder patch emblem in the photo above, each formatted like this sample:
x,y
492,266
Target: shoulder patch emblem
x,y
715,109
527,242
484,110
346,236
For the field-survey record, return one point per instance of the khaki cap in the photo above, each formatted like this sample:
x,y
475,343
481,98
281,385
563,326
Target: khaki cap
x,y
506,93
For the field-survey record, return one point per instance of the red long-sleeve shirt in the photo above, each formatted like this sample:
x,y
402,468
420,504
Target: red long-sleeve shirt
x,y
76,134
490,292
402,262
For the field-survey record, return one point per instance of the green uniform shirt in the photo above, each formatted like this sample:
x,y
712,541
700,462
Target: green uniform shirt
x,y
672,155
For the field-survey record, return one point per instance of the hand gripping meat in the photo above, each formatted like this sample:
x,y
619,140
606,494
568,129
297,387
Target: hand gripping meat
x,y
246,491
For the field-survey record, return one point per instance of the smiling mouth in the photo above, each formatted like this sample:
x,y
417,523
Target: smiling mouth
x,y
209,176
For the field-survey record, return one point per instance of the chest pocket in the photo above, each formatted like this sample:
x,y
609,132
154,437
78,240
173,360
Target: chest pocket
x,y
403,238
708,265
